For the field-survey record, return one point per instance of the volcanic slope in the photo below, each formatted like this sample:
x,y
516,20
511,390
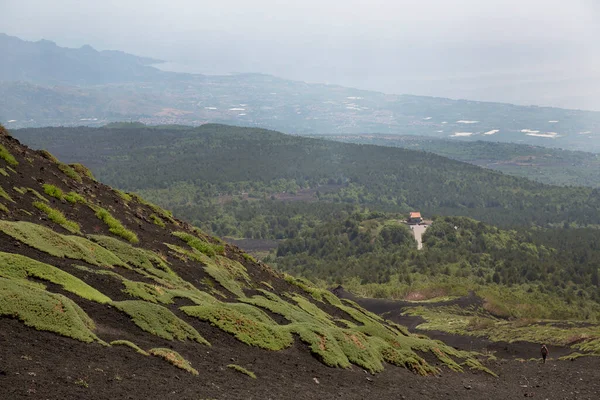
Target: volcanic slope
x,y
105,295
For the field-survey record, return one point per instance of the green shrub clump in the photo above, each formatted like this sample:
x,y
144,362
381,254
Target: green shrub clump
x,y
53,191
6,156
159,321
57,245
174,358
114,225
15,266
70,172
129,344
57,217
82,170
157,221
45,311
74,198
5,195
204,247
242,370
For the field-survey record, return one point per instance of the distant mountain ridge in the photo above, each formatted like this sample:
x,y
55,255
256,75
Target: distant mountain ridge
x,y
45,63
43,84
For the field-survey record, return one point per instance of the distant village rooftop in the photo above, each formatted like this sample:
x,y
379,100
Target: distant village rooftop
x,y
415,218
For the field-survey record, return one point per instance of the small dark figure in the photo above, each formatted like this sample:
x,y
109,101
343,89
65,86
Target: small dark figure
x,y
544,352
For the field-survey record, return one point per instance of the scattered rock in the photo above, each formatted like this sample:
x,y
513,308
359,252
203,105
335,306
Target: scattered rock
x,y
316,380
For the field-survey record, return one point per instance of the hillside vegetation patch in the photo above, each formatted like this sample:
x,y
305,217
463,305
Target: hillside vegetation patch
x,y
70,172
114,225
130,345
159,321
174,358
242,370
15,266
53,191
58,217
6,156
45,311
55,244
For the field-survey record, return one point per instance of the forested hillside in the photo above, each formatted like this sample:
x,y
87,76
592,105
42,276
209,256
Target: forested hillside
x,y
553,166
248,182
375,254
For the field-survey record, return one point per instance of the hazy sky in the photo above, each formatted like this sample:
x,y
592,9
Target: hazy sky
x,y
529,51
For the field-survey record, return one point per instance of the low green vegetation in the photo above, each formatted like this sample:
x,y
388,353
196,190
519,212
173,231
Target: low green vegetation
x,y
3,172
70,172
367,345
44,311
16,266
48,156
55,244
202,246
53,191
123,195
4,209
114,225
542,272
82,170
6,156
58,217
37,194
174,358
145,262
129,344
156,209
477,321
242,370
159,321
74,198
157,220
5,195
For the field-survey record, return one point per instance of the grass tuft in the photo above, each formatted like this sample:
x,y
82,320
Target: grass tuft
x,y
5,195
48,156
74,198
15,266
3,172
174,358
202,246
242,370
125,196
38,195
248,324
157,221
55,244
82,170
114,225
159,321
44,311
70,172
53,191
6,156
57,217
129,344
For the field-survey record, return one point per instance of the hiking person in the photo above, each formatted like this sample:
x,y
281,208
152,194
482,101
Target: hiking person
x,y
544,352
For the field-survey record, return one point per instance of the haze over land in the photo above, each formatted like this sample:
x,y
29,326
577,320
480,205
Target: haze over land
x,y
537,52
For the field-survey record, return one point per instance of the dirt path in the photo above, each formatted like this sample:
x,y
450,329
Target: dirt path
x,y
418,231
